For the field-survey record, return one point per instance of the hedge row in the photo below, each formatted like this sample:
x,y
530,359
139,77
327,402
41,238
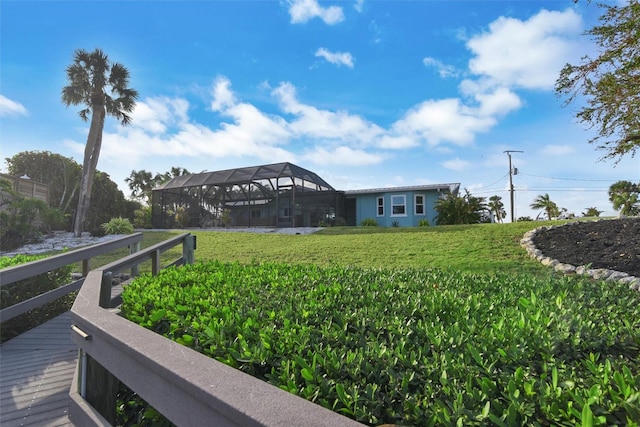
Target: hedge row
x,y
411,346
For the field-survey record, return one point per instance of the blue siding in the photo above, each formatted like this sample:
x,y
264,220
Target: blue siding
x,y
367,207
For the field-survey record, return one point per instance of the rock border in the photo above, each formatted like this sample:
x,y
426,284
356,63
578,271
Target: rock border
x,y
596,273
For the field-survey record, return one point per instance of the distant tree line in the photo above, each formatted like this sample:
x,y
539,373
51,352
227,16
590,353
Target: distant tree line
x,y
62,174
468,209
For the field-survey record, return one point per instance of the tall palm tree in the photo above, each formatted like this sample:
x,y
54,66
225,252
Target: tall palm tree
x,y
102,87
625,197
545,202
496,207
141,184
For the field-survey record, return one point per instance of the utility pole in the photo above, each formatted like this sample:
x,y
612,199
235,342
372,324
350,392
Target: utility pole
x,y
511,178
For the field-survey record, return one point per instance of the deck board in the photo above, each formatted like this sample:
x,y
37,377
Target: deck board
x,y
36,370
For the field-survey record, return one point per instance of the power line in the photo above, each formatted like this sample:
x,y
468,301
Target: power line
x,y
578,190
487,187
570,179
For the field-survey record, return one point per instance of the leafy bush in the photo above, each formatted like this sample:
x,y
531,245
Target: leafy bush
x,y
423,223
524,219
142,217
23,290
369,222
118,226
23,220
411,346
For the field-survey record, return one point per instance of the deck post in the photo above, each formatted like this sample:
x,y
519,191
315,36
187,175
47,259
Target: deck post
x,y
188,248
155,262
105,289
85,267
135,270
101,389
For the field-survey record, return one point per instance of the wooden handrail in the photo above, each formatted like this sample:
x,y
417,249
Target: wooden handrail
x,y
16,273
29,269
188,388
151,253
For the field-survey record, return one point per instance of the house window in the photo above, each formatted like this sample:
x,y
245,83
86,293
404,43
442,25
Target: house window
x,y
419,204
380,206
399,205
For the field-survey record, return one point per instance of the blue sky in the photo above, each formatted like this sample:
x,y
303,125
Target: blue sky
x,y
365,93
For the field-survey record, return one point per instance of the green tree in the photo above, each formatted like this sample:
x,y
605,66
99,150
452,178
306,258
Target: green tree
x,y
593,211
466,209
625,197
61,173
544,202
496,207
110,204
610,83
102,88
141,183
173,173
22,219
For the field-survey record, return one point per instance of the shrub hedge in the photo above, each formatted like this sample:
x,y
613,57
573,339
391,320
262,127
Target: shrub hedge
x,y
411,346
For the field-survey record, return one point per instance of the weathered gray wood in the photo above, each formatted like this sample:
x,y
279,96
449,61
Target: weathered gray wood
x,y
105,290
102,390
37,301
19,272
36,369
135,270
188,248
155,262
139,257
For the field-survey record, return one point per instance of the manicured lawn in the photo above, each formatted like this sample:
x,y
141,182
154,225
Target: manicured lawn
x,y
483,248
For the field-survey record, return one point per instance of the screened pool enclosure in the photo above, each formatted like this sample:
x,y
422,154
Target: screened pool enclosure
x,y
277,195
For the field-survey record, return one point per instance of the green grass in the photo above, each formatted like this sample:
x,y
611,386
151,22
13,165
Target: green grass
x,y
480,248
475,248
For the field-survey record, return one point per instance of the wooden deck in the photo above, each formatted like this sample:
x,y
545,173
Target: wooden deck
x,y
36,370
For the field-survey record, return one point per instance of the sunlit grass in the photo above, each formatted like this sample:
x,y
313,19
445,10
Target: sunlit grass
x,y
480,248
475,248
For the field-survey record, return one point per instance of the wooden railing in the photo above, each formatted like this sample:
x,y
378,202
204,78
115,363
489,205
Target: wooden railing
x,y
27,270
188,388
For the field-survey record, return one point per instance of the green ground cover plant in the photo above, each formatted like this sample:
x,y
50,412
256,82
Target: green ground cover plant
x,y
411,346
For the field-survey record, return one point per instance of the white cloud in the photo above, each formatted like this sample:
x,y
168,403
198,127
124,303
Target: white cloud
x,y
456,164
558,150
11,108
311,122
359,5
527,54
302,11
345,156
499,102
444,70
222,95
445,120
338,58
397,142
155,115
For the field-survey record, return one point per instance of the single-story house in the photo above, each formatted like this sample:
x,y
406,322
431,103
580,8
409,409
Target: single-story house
x,y
396,206
286,195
